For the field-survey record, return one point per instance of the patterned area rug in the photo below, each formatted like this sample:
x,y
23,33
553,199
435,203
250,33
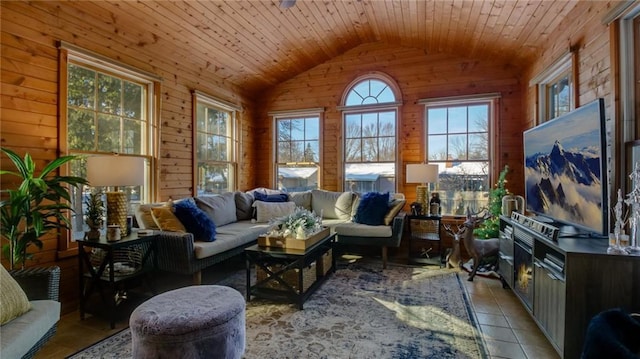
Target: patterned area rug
x,y
359,312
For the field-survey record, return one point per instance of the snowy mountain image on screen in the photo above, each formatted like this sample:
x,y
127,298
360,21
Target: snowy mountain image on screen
x,y
564,183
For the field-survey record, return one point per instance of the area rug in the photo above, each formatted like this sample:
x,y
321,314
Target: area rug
x,y
361,311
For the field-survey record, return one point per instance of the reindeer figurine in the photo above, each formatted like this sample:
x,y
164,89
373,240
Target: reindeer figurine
x,y
477,249
453,258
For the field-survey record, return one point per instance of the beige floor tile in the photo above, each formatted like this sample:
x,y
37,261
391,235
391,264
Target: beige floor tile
x,y
530,337
499,349
492,319
539,352
498,333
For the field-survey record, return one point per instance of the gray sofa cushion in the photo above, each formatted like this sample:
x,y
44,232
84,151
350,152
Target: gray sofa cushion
x,y
230,236
220,208
363,230
22,333
332,205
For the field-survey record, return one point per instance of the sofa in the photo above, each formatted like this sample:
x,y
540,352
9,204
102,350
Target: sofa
x,y
26,333
240,217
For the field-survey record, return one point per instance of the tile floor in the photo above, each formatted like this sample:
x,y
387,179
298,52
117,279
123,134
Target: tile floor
x,y
508,330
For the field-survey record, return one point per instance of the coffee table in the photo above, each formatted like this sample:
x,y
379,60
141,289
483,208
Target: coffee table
x,y
286,273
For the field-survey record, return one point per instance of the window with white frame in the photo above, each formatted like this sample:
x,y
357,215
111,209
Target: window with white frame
x,y
215,145
457,140
556,94
297,151
106,108
370,118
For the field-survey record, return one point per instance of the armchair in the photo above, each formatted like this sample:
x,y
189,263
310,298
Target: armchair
x,y
24,336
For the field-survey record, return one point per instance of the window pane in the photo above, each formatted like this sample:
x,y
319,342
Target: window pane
x,y
353,150
81,87
132,139
457,147
437,120
369,149
478,145
297,178
369,124
387,124
311,151
297,129
457,120
109,94
108,133
353,126
214,178
387,149
81,130
379,177
437,149
479,118
132,100
312,129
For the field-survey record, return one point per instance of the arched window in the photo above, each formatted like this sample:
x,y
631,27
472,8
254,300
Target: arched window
x,y
370,118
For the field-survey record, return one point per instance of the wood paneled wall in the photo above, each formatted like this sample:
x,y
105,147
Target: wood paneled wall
x,y
29,84
29,100
419,75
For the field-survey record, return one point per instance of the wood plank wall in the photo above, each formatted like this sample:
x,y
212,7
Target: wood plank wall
x,y
583,32
28,117
29,85
419,75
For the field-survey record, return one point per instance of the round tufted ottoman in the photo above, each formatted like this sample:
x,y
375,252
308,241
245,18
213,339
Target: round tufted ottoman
x,y
205,321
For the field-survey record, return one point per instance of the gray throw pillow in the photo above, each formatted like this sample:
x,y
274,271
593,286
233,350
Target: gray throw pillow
x,y
220,208
244,211
301,199
332,205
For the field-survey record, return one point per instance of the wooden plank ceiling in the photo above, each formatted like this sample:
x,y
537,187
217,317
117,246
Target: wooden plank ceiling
x,y
257,44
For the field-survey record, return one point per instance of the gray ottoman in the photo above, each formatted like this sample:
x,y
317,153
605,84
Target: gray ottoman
x,y
205,321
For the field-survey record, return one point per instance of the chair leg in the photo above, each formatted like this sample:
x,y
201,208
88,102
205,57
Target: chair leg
x,y
384,257
197,278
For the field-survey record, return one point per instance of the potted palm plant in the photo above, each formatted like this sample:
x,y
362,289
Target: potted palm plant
x,y
94,214
35,207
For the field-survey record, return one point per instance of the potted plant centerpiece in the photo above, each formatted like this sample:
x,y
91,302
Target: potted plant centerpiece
x,y
300,224
34,207
490,227
94,215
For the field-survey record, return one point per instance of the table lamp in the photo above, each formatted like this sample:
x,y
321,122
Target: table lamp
x,y
114,171
422,173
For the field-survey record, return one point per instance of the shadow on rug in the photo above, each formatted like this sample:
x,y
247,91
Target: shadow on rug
x,y
359,312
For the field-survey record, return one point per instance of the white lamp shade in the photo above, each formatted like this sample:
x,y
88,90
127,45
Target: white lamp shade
x,y
115,171
422,173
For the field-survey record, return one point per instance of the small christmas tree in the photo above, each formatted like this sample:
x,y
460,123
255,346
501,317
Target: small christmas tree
x,y
490,227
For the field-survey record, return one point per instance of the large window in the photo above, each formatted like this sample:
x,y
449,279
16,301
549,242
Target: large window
x,y
370,120
106,109
457,137
216,145
297,151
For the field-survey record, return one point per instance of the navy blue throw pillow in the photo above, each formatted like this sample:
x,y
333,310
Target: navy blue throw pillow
x,y
276,197
195,220
372,208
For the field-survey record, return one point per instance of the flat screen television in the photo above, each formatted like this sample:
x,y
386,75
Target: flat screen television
x,y
565,171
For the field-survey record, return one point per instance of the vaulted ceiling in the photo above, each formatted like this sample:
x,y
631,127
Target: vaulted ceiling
x,y
258,44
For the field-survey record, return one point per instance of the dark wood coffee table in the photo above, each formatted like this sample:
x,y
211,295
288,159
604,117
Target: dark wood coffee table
x,y
289,274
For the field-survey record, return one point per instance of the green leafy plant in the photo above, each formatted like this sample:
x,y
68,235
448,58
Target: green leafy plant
x,y
490,228
94,214
36,207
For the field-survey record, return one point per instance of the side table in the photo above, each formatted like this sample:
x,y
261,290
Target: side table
x,y
113,264
425,231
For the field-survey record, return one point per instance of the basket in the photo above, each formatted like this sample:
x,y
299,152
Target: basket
x,y
290,276
324,263
126,261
